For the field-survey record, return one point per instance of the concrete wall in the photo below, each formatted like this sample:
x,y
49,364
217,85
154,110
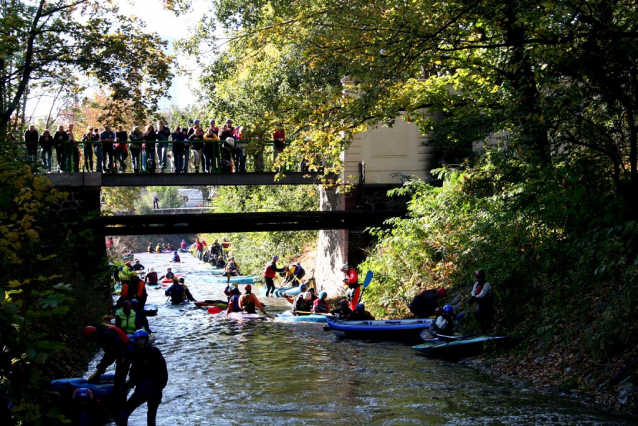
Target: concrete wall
x,y
389,153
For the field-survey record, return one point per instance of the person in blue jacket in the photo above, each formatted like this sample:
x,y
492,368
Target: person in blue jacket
x,y
179,293
176,258
149,377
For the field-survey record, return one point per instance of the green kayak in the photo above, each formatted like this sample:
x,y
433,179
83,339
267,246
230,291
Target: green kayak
x,y
461,346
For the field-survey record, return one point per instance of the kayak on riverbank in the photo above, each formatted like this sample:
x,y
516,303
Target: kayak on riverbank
x,y
407,330
242,279
288,316
456,347
279,292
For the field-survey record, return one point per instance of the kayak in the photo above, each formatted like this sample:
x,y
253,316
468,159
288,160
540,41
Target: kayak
x,y
455,347
279,292
409,329
102,389
289,317
242,279
245,316
206,303
216,271
150,310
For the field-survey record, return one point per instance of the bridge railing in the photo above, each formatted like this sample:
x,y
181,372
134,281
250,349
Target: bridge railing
x,y
243,156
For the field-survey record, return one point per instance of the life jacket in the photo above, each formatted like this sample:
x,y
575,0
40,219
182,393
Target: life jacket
x,y
270,270
184,244
234,299
158,249
127,323
176,258
320,306
152,277
141,290
299,271
199,246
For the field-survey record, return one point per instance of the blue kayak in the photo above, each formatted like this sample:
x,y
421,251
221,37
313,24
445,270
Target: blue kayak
x,y
279,292
242,279
102,389
456,347
289,317
409,329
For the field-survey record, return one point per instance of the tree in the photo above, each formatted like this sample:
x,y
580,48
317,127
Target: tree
x,y
48,44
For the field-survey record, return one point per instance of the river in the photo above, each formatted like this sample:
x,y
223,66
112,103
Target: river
x,y
226,372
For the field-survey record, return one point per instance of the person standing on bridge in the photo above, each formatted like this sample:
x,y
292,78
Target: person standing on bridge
x,y
107,137
155,201
269,273
178,149
211,143
121,151
136,136
163,133
149,148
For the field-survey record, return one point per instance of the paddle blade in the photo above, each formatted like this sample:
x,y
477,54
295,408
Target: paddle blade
x,y
366,282
214,310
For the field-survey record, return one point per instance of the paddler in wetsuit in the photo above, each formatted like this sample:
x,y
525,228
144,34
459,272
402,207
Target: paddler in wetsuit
x,y
176,258
248,302
150,248
169,274
151,278
179,293
158,248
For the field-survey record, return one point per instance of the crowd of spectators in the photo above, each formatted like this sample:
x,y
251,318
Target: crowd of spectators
x,y
187,149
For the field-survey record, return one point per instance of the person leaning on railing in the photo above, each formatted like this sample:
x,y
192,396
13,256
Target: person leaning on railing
x,y
46,142
149,148
136,136
211,141
31,141
60,138
97,148
87,149
108,153
178,149
121,151
197,145
163,133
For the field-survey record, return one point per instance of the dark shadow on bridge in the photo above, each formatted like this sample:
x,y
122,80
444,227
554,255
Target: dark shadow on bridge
x,y
245,222
78,180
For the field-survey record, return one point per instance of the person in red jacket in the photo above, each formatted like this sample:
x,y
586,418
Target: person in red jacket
x,y
269,273
351,281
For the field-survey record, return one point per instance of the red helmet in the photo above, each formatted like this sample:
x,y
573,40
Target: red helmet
x,y
248,287
88,332
438,311
441,292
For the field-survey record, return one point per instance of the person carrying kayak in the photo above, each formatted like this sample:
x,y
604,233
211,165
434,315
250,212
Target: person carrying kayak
x,y
483,293
151,278
179,293
176,258
294,273
321,306
425,303
360,314
269,273
125,318
444,323
343,310
148,376
115,344
248,302
351,281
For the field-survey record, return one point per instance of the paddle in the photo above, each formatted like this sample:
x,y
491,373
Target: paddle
x,y
366,283
265,313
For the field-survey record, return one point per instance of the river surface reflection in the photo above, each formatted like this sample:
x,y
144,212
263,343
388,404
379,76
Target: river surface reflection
x,y
225,372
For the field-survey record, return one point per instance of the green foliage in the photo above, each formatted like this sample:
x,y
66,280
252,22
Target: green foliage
x,y
52,286
253,249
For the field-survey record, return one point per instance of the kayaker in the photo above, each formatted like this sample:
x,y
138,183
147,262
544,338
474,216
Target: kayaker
x,y
179,293
149,377
220,263
321,306
125,318
138,266
151,278
343,310
169,274
230,288
351,281
303,303
269,273
158,248
360,314
248,302
233,299
150,248
302,289
444,323
231,269
183,245
140,318
176,258
294,273
425,303
115,344
139,290
483,294
86,409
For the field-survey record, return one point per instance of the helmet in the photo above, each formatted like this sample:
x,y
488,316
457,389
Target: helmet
x,y
448,309
139,334
183,241
212,121
127,264
438,311
302,287
275,257
323,294
134,301
88,332
441,292
361,307
345,267
344,302
248,287
82,393
175,252
181,280
307,295
479,273
196,120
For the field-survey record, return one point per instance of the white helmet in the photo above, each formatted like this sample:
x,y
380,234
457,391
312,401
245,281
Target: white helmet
x,y
345,267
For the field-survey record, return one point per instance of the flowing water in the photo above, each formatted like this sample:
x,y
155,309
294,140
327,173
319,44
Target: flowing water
x,y
228,372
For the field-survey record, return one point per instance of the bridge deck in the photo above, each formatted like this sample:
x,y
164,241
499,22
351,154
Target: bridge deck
x,y
71,180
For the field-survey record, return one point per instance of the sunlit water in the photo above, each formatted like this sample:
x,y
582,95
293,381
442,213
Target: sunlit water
x,y
226,372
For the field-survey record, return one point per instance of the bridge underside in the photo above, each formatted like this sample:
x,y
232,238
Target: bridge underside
x,y
245,222
71,180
